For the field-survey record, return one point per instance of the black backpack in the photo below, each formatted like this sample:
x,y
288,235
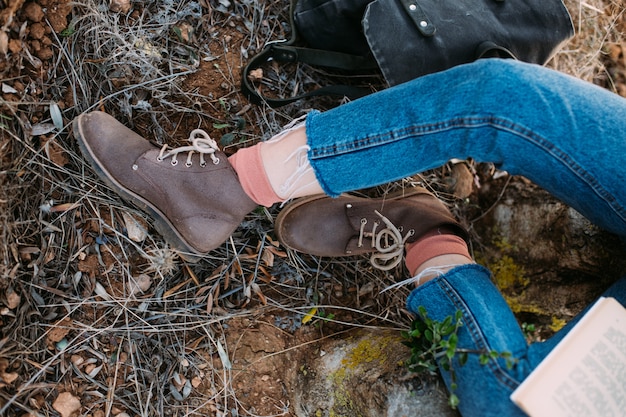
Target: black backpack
x,y
405,39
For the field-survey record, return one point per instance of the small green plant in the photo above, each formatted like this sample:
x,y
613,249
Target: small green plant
x,y
434,343
529,330
239,123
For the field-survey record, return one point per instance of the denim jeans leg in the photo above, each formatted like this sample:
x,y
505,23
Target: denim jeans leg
x,y
566,135
488,324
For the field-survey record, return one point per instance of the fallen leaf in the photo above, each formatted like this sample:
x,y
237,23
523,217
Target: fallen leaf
x,y
4,44
258,292
13,298
277,252
192,275
223,356
184,31
120,6
6,378
63,207
60,330
66,404
136,229
6,88
196,381
101,292
255,75
42,129
268,258
56,116
56,154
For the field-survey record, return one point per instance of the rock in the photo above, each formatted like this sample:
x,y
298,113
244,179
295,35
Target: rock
x,y
547,259
363,375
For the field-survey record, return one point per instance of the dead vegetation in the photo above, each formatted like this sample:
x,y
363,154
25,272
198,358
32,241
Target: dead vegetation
x,y
97,314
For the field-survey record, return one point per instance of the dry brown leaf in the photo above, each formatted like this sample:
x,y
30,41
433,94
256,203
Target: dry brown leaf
x,y
264,276
255,75
64,207
277,252
274,243
216,273
6,377
227,276
268,257
60,330
196,381
4,43
120,6
66,404
257,290
185,31
192,275
209,303
174,290
56,154
13,298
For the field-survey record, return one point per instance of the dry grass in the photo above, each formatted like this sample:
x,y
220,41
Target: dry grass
x,y
70,316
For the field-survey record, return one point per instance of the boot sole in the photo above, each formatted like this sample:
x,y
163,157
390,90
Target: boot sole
x,y
306,200
160,222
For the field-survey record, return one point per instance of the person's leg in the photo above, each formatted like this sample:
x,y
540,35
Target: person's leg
x,y
566,135
488,325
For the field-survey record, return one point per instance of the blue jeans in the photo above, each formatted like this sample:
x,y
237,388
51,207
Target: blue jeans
x,y
566,135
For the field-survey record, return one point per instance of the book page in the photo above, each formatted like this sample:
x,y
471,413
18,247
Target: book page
x,y
585,374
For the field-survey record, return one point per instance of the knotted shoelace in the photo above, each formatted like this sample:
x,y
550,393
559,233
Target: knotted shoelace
x,y
388,243
201,143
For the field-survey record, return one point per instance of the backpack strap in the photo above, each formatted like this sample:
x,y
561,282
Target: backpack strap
x,y
286,51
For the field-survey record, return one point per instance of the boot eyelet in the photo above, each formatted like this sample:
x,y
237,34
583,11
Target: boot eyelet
x,y
348,206
188,164
363,220
159,159
216,161
203,164
174,162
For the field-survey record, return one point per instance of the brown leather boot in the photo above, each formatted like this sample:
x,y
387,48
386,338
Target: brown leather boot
x,y
192,192
347,225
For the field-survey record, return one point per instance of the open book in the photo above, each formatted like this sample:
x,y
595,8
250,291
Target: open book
x,y
585,374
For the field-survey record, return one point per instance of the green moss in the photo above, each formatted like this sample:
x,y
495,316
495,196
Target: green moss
x,y
507,273
517,305
557,324
366,351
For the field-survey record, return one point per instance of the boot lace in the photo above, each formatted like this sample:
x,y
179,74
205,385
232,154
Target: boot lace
x,y
388,242
201,143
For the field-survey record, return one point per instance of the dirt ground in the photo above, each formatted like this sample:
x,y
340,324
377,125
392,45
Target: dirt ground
x,y
97,326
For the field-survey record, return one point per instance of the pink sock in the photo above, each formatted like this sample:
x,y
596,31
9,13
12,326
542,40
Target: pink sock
x,y
431,245
248,164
